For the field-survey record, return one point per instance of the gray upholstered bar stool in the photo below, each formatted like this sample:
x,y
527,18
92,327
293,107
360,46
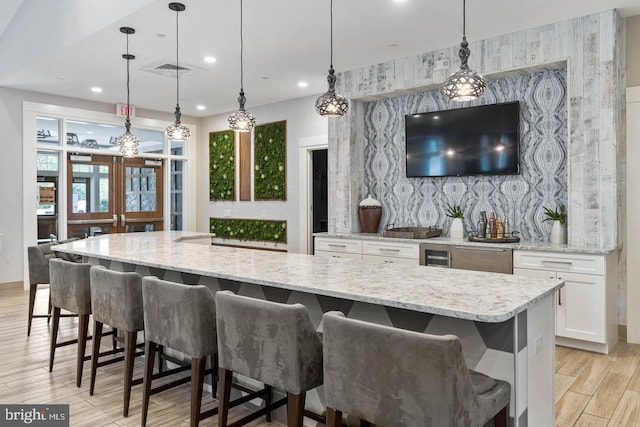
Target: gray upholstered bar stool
x,y
183,318
270,342
426,383
71,291
38,257
116,300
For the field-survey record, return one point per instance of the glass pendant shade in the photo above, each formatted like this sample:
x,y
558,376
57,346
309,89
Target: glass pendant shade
x,y
128,142
177,131
331,103
241,120
465,84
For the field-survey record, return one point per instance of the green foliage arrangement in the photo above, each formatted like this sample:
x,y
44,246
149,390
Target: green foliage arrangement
x,y
222,170
558,214
249,229
270,153
454,211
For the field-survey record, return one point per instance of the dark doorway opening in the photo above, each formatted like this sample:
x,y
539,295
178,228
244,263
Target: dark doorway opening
x,y
320,202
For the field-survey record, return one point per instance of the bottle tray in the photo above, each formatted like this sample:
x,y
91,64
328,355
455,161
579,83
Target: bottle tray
x,y
509,239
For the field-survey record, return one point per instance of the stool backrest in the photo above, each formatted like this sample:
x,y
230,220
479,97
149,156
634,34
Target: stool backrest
x,y
393,377
271,342
38,257
116,298
181,317
70,285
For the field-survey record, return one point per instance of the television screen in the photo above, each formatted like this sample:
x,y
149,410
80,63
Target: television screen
x,y
466,141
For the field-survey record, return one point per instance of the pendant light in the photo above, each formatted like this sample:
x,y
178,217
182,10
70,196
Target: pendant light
x,y
331,104
465,84
128,143
241,120
177,131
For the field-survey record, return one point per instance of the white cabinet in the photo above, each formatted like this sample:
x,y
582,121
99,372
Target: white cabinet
x,y
374,251
338,248
586,307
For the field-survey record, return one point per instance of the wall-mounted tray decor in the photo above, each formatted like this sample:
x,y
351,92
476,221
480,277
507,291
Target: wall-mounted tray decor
x,y
509,239
412,232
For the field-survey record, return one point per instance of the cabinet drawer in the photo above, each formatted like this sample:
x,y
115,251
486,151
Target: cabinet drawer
x,y
391,249
556,261
338,245
345,255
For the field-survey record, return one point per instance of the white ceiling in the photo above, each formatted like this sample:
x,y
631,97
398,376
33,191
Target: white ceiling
x,y
68,46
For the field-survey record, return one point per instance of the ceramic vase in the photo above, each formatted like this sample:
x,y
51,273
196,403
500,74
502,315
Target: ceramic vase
x,y
369,214
456,231
558,233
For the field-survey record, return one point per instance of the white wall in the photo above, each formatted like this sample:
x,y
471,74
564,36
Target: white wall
x,y
302,123
11,214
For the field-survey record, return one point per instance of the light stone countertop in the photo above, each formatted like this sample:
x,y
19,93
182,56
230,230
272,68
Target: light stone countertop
x,y
522,245
487,297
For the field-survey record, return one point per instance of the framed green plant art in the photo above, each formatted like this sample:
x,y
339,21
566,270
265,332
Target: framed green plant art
x,y
270,156
222,169
255,230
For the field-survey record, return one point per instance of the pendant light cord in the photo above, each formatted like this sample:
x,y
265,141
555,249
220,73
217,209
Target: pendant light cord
x,y
128,60
464,18
331,21
177,63
241,52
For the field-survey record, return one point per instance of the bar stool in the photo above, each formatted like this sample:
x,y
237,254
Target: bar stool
x,y
270,342
427,383
116,300
183,318
70,290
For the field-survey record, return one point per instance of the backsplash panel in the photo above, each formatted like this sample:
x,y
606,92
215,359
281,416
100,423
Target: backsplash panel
x,y
422,201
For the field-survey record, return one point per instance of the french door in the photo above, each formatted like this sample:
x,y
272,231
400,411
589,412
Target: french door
x,y
112,194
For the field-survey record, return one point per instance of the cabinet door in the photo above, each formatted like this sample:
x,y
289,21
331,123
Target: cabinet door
x,y
347,255
580,310
389,260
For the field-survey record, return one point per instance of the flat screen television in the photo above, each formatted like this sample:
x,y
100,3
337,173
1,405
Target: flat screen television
x,y
480,140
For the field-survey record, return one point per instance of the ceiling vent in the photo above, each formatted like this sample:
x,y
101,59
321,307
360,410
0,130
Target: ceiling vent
x,y
166,67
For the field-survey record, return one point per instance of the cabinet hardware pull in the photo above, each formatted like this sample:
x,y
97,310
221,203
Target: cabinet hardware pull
x,y
390,249
557,262
560,296
337,245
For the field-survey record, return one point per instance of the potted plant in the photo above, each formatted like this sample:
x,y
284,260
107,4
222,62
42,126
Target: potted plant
x,y
456,231
558,217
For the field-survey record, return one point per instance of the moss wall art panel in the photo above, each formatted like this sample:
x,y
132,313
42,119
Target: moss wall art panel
x,y
270,154
254,230
222,170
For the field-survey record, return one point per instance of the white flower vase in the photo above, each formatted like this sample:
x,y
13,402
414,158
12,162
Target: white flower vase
x,y
558,233
456,231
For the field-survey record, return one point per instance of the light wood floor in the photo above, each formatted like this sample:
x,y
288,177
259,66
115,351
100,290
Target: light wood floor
x,y
591,389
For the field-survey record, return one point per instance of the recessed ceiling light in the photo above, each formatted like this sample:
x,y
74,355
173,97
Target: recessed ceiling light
x,y
303,84
90,132
96,89
209,59
106,126
201,107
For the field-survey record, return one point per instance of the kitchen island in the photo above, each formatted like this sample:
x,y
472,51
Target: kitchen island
x,y
505,322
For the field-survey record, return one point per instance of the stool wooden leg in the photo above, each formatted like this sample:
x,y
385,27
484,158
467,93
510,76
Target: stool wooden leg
x,y
225,394
197,381
502,418
295,409
95,353
129,356
267,400
334,418
214,373
54,336
83,328
114,339
149,355
49,310
32,302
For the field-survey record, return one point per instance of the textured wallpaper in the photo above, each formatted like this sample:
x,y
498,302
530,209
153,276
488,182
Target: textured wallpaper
x,y
422,201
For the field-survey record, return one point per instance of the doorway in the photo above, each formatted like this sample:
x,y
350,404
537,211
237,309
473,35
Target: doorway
x,y
319,191
112,194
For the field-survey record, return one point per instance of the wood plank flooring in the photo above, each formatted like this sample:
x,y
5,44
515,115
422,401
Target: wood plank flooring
x,y
591,389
